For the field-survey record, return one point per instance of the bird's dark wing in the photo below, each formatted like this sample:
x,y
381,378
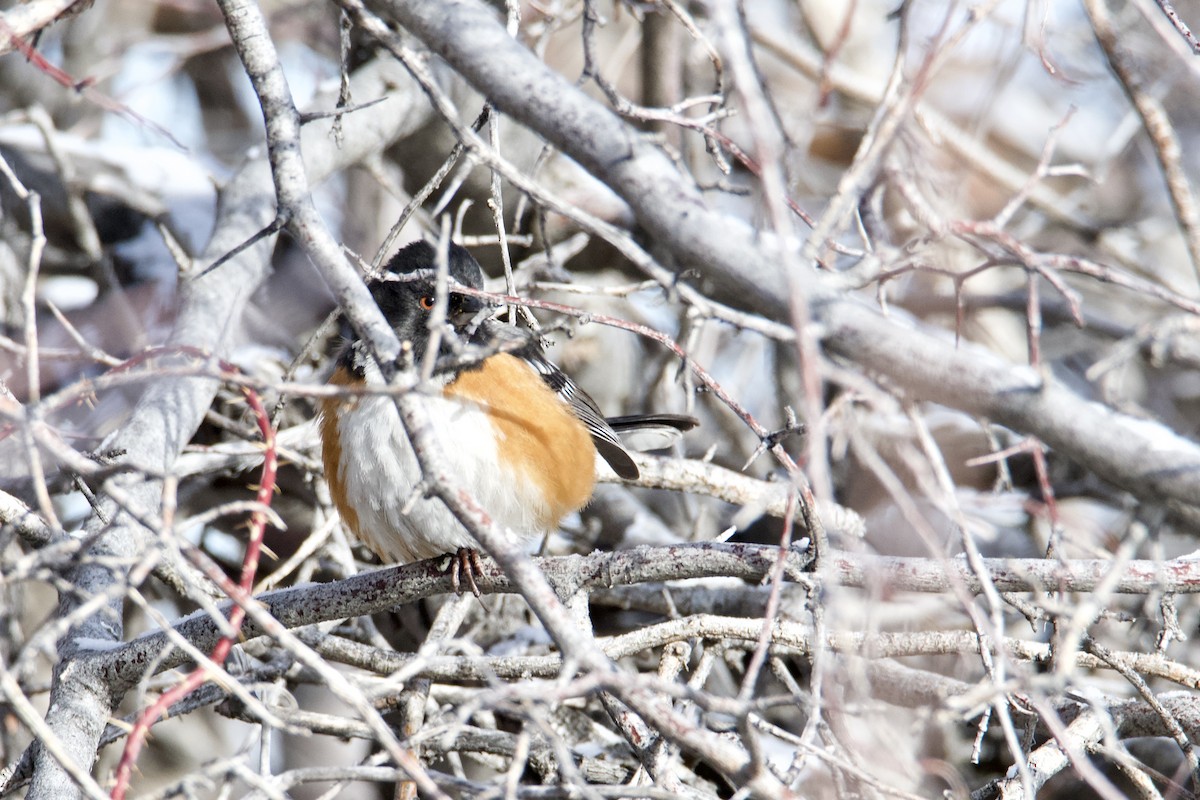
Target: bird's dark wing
x,y
603,436
645,432
633,422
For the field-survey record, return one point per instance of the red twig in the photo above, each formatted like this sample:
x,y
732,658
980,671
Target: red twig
x,y
85,87
748,161
38,60
750,678
250,561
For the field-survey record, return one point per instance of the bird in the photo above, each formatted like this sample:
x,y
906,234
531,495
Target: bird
x,y
519,435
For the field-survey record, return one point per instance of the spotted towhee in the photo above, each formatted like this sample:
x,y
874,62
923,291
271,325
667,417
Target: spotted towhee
x,y
519,435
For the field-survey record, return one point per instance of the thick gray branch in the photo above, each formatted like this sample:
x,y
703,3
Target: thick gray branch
x,y
379,590
1144,458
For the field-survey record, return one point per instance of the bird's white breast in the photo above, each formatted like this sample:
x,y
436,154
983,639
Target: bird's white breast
x,y
380,477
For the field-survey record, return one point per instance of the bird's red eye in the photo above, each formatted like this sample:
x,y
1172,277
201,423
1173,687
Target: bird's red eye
x,y
427,302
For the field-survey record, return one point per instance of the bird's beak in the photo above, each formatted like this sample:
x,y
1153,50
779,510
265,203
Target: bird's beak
x,y
465,310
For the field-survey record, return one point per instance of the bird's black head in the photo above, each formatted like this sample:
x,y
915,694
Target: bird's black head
x,y
407,290
406,293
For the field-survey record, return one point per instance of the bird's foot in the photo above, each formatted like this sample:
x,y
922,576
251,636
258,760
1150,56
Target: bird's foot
x,y
465,564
